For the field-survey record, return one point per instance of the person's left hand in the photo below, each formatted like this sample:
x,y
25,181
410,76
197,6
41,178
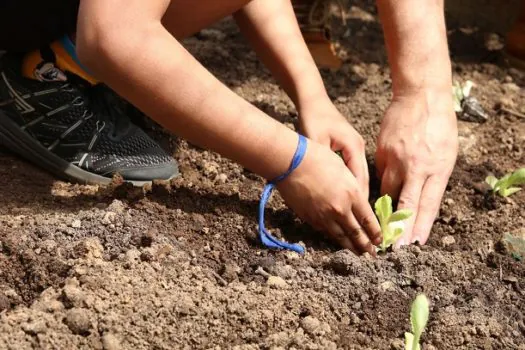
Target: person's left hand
x,y
416,152
323,123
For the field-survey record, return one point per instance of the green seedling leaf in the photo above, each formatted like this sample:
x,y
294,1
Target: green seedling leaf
x,y
518,177
515,244
383,208
392,224
409,341
467,88
492,181
460,93
457,93
418,319
419,315
400,215
509,191
506,185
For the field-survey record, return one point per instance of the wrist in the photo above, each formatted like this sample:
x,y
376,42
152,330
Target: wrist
x,y
314,106
438,99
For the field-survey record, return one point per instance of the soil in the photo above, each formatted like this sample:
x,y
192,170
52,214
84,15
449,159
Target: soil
x,y
178,265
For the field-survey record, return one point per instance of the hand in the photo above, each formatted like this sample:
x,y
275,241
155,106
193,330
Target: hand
x,y
322,122
416,153
323,192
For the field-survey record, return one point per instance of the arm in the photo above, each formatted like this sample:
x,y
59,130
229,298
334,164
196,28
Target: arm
x,y
273,31
417,145
135,55
140,59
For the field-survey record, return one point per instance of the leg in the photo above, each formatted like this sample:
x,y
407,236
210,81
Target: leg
x,y
184,18
515,41
58,121
314,20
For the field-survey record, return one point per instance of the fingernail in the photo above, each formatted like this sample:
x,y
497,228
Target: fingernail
x,y
378,240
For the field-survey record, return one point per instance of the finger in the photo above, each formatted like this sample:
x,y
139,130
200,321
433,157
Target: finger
x,y
355,160
357,235
428,208
366,219
409,199
380,164
366,190
391,183
337,233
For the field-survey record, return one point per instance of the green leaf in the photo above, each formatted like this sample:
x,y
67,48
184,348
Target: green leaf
x,y
502,183
466,88
505,192
419,315
517,178
492,181
400,215
409,341
383,208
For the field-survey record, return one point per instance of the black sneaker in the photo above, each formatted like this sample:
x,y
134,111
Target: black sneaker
x,y
73,129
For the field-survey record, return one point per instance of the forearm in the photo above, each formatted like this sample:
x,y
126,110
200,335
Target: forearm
x,y
154,72
416,42
273,31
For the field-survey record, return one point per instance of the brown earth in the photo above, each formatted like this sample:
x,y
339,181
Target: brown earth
x,y
179,266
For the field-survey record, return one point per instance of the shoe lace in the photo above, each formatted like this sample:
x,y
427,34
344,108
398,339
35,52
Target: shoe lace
x,y
107,106
319,12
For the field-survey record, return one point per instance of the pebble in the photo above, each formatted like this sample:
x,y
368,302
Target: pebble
x,y
73,296
90,247
397,344
310,324
109,218
449,201
276,282
284,271
222,178
78,321
110,342
344,262
34,327
230,272
117,207
510,87
448,241
76,224
387,285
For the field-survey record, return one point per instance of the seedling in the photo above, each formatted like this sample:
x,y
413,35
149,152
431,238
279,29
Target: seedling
x,y
506,185
418,320
392,224
461,93
467,107
516,244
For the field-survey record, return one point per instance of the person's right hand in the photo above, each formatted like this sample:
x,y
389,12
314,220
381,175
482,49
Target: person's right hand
x,y
323,192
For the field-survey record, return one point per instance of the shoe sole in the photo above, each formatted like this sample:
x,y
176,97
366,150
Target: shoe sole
x,y
24,145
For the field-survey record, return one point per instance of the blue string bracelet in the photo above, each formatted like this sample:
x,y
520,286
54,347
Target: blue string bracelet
x,y
266,238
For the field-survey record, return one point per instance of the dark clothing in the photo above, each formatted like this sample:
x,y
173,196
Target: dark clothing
x,y
26,25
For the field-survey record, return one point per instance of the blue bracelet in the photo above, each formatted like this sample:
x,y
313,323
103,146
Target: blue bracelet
x,y
266,238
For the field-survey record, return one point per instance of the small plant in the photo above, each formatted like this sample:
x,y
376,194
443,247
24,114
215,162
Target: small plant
x,y
506,185
418,321
467,107
516,244
392,224
461,93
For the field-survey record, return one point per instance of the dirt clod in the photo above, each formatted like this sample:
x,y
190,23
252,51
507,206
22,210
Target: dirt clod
x,y
78,321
